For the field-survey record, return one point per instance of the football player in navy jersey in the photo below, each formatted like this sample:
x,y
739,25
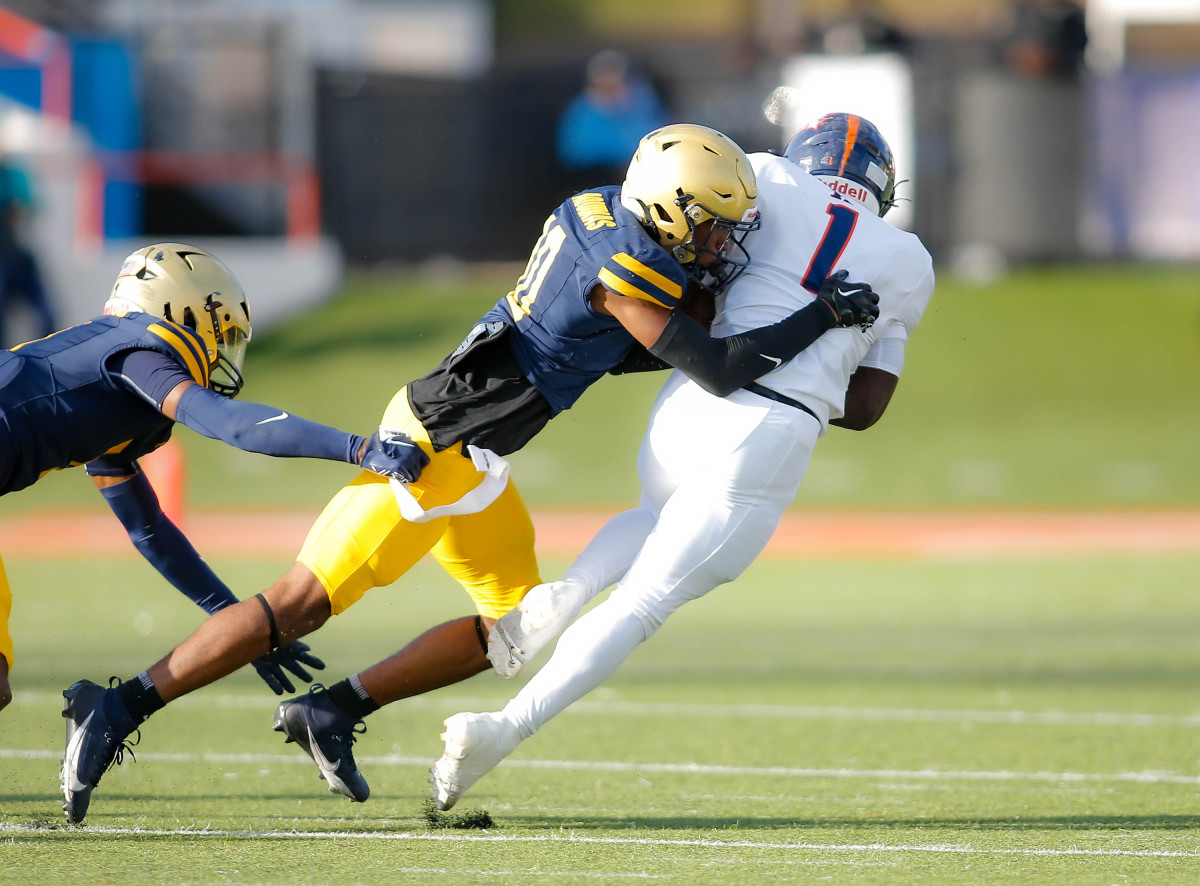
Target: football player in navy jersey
x,y
601,293
168,348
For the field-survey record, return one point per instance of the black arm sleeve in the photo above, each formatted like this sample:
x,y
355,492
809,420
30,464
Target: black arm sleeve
x,y
639,360
722,365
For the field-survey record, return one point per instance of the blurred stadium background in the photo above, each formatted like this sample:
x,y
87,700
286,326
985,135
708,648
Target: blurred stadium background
x,y
324,134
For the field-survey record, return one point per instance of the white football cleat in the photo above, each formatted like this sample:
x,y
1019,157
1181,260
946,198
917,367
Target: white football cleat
x,y
541,616
475,743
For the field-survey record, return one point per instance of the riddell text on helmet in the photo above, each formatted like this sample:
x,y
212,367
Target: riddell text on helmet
x,y
849,189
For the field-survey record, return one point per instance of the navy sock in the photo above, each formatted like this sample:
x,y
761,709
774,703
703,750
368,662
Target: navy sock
x,y
139,698
352,698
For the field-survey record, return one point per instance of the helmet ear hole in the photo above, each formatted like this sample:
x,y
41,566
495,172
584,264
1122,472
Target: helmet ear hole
x,y
189,319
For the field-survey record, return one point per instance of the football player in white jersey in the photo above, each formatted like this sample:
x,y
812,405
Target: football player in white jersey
x,y
718,473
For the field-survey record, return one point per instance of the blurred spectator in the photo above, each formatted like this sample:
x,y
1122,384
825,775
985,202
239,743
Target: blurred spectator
x,y
600,128
1045,38
20,277
863,27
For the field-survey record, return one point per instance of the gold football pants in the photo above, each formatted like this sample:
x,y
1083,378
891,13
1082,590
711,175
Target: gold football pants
x,y
6,643
360,541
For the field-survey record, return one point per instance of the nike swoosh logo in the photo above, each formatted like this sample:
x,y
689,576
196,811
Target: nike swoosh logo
x,y
322,760
71,758
774,360
279,417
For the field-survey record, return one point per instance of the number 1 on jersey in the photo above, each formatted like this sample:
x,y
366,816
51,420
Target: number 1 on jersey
x,y
842,220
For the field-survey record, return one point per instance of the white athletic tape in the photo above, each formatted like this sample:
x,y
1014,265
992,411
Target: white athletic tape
x,y
495,478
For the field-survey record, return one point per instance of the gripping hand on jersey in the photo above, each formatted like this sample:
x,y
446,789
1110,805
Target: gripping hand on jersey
x,y
293,657
853,304
393,454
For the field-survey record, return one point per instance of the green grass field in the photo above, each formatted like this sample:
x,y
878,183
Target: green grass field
x,y
988,720
893,723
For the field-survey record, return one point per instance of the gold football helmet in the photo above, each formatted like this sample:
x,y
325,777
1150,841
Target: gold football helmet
x,y
684,175
193,288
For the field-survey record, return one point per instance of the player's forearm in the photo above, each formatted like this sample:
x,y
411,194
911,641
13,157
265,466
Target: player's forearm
x,y
264,429
723,365
163,545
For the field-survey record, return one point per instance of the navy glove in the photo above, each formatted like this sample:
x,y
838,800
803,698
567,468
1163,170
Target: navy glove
x,y
853,304
293,657
394,455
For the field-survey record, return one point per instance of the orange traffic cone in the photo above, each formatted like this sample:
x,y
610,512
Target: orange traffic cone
x,y
164,469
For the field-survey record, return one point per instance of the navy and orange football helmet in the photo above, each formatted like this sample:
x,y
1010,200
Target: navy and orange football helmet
x,y
849,154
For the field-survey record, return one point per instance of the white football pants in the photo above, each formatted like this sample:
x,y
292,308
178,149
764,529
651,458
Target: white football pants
x,y
716,474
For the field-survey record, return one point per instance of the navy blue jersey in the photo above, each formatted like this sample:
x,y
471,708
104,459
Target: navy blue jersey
x,y
60,405
561,343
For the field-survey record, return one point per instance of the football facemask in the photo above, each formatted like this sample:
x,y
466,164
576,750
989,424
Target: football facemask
x,y
714,255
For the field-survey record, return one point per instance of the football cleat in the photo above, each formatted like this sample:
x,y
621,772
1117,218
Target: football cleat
x,y
475,743
327,734
523,632
94,745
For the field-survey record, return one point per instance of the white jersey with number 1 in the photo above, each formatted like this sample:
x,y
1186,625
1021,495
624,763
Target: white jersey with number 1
x,y
808,232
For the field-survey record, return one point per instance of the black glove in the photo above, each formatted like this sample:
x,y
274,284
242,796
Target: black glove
x,y
394,455
853,304
293,657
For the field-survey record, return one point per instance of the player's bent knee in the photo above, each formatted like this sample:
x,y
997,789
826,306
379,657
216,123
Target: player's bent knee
x,y
298,602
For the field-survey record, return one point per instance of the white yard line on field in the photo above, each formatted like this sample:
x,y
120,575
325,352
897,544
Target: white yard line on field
x,y
709,712
945,849
672,768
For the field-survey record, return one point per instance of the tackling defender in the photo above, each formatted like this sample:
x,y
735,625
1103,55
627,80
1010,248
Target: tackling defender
x,y
717,474
607,274
168,347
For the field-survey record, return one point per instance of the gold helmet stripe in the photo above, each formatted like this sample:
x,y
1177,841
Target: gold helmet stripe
x,y
187,350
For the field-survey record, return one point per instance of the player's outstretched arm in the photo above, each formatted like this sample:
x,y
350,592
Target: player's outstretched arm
x,y
255,427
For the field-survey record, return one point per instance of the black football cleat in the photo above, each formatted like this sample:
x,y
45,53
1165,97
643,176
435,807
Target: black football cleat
x,y
94,745
327,734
